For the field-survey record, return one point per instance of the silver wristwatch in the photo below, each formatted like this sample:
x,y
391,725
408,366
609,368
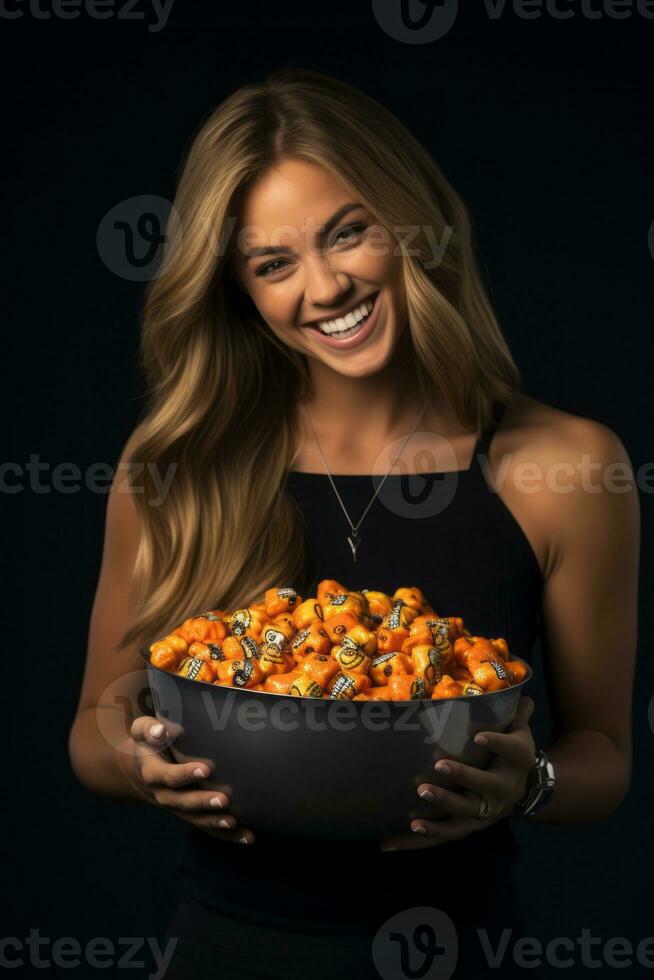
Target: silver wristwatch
x,y
540,787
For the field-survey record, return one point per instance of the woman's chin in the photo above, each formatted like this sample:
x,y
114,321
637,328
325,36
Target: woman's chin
x,y
364,361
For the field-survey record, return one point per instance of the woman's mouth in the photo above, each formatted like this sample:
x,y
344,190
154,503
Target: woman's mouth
x,y
341,333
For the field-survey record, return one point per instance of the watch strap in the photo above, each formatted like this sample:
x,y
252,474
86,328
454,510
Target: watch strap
x,y
540,788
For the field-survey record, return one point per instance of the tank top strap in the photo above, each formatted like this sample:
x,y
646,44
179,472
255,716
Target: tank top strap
x,y
485,439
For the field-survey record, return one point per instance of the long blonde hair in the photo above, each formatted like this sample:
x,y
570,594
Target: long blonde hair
x,y
223,392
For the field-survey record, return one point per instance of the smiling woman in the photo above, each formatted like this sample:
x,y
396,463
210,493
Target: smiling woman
x,y
319,310
328,288
291,213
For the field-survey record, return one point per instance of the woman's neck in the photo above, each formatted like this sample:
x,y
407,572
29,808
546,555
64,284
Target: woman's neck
x,y
357,419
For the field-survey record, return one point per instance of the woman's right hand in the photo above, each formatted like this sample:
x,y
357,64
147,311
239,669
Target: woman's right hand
x,y
177,786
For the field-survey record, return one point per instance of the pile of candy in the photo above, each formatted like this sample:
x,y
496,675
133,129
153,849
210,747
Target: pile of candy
x,y
362,646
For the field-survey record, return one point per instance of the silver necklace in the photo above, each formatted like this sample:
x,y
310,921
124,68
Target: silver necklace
x,y
354,538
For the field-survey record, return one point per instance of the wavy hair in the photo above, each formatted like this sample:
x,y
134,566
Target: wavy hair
x,y
223,392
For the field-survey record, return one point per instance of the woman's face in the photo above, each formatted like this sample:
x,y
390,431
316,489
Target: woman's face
x,y
309,255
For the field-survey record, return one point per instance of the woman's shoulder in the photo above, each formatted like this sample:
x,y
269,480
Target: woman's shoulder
x,y
549,466
545,435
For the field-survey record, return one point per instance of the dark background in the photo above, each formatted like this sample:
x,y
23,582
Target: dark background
x,y
544,126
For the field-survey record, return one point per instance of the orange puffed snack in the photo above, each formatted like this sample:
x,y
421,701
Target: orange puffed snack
x,y
241,673
379,604
320,667
460,648
456,627
491,675
378,693
516,671
339,644
407,687
327,589
461,674
278,601
345,685
308,641
275,660
285,621
447,687
374,694
419,632
345,602
280,683
411,597
390,640
337,626
307,613
209,627
427,663
386,664
196,670
469,650
169,652
351,658
248,621
502,648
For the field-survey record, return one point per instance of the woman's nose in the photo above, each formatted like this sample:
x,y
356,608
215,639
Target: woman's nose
x,y
324,285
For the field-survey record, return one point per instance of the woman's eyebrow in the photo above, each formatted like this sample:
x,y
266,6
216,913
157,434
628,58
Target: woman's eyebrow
x,y
253,253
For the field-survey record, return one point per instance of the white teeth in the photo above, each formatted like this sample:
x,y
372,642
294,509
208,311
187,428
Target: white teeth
x,y
348,321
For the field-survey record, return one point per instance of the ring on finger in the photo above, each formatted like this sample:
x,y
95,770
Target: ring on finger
x,y
482,812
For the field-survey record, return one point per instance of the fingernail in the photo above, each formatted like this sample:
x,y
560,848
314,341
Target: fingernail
x,y
444,768
157,730
427,795
481,740
244,840
224,823
200,773
388,847
215,801
419,830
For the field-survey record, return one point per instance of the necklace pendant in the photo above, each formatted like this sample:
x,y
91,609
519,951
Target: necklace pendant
x,y
354,541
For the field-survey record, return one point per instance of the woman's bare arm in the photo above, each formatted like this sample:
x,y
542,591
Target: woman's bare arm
x,y
114,744
590,616
588,545
100,746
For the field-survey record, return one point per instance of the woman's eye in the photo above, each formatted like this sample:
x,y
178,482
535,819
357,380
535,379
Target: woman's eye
x,y
343,236
350,232
274,266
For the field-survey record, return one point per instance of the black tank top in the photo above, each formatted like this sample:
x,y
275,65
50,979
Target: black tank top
x,y
451,535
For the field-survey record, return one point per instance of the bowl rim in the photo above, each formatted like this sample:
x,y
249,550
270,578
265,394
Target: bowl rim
x,y
144,651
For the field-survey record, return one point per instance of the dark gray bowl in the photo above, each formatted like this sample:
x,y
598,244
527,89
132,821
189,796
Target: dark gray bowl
x,y
334,770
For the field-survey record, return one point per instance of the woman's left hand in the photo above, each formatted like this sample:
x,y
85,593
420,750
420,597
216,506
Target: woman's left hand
x,y
500,786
